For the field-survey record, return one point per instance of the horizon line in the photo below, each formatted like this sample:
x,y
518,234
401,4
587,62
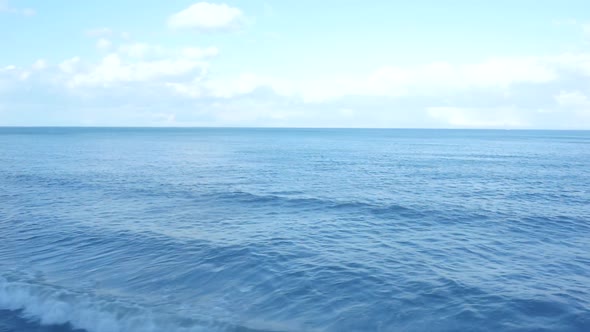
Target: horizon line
x,y
278,127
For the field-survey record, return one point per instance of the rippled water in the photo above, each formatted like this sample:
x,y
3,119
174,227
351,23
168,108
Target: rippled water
x,y
108,230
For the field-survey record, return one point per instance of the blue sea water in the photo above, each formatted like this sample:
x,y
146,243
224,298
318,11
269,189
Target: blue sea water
x,y
129,230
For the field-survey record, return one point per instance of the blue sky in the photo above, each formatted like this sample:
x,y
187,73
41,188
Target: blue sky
x,y
426,64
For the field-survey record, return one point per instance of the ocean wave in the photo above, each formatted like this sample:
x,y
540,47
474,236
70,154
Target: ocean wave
x,y
50,305
287,199
76,311
314,203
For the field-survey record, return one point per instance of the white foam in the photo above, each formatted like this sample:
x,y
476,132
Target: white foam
x,y
52,305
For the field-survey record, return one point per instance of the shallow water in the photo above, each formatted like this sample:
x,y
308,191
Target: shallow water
x,y
108,230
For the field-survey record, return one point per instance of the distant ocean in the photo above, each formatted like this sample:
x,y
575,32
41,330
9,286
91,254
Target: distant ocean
x,y
259,230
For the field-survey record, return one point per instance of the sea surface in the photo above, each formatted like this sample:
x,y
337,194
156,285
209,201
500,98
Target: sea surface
x,y
259,230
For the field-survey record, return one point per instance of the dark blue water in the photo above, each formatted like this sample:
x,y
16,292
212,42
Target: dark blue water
x,y
112,230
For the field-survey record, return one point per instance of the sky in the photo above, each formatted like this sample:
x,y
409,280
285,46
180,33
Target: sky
x,y
507,64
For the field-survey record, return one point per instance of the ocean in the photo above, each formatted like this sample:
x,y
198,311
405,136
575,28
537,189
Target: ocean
x,y
259,230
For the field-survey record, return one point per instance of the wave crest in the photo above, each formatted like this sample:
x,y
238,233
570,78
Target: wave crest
x,y
50,305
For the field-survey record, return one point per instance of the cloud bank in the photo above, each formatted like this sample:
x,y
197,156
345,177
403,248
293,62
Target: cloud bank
x,y
136,83
205,16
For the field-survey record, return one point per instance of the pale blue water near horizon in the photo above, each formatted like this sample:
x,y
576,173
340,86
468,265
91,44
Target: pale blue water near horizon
x,y
114,229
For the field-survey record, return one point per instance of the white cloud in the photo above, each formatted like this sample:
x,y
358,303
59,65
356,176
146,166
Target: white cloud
x,y
574,101
227,88
505,71
143,50
326,89
174,68
24,75
21,74
5,7
8,68
112,69
103,44
12,72
191,90
436,78
69,66
39,64
198,53
500,117
148,79
575,63
138,50
204,16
